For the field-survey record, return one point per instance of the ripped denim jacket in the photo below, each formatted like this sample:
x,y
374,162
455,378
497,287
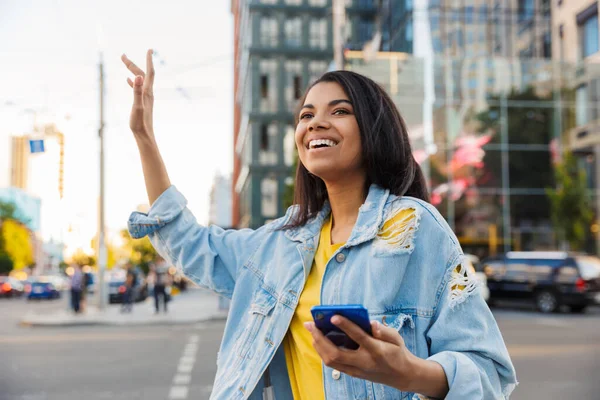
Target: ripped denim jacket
x,y
408,275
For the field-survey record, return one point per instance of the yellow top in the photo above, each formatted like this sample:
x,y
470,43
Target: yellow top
x,y
303,362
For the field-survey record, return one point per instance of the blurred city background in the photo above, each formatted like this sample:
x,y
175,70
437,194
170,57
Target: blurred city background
x,y
501,99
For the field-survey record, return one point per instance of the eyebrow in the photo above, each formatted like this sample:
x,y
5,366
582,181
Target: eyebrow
x,y
331,103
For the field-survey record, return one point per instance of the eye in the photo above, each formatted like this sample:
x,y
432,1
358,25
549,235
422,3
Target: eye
x,y
341,111
306,115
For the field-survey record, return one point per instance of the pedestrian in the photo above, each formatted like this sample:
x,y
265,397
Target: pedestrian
x,y
77,283
130,287
361,232
161,284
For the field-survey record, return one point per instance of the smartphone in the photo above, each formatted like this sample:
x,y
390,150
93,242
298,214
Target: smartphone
x,y
354,312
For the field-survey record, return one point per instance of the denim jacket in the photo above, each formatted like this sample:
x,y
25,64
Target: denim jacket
x,y
410,279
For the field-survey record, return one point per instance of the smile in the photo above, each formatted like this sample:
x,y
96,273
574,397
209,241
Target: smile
x,y
320,143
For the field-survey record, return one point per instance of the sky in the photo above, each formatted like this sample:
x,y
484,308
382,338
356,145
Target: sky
x,y
49,64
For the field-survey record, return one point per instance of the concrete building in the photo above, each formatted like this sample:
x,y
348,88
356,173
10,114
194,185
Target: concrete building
x,y
280,47
220,202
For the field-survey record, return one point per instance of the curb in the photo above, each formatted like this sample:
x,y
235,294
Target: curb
x,y
98,322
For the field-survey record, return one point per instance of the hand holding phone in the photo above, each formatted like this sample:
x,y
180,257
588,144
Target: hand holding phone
x,y
354,312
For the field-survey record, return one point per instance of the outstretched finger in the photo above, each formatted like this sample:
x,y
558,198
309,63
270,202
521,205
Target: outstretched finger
x,y
149,70
130,82
137,92
131,66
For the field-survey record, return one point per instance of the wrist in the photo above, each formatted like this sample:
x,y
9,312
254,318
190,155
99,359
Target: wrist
x,y
425,377
145,140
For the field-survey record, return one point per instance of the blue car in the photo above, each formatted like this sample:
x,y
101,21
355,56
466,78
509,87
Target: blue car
x,y
42,290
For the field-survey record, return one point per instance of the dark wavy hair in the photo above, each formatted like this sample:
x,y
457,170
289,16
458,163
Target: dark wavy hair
x,y
386,150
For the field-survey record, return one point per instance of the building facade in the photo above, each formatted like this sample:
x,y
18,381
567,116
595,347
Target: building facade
x,y
280,47
486,109
576,48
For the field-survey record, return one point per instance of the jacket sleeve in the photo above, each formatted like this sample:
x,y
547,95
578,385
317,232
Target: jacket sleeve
x,y
466,341
209,256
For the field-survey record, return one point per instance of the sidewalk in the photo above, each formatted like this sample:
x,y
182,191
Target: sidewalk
x,y
191,306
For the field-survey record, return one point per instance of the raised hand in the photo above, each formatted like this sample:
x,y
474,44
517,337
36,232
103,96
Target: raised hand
x,y
140,120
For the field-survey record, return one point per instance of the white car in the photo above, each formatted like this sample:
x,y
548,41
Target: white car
x,y
472,261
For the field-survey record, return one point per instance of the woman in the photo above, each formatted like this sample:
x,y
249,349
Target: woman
x,y
361,232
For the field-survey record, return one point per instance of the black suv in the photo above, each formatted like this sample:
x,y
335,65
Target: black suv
x,y
548,278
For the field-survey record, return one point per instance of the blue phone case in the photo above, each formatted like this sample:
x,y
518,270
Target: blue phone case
x,y
354,312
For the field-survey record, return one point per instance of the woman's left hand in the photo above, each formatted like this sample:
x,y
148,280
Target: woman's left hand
x,y
381,358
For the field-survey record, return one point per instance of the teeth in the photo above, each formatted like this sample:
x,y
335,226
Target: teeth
x,y
314,143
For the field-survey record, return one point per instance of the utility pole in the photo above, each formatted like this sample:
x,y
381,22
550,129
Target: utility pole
x,y
101,238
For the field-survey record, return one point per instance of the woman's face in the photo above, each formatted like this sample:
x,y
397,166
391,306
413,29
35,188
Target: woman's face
x,y
327,135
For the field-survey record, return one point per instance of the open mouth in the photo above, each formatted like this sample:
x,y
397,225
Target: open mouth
x,y
321,143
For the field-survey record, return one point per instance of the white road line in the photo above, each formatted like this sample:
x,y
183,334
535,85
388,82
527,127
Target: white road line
x,y
181,379
178,392
187,360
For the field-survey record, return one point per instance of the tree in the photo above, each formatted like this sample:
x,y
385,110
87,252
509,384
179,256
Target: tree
x,y
141,252
6,264
16,243
10,211
570,205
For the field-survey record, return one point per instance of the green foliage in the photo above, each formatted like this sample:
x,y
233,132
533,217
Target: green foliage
x,y
10,211
571,209
6,264
141,252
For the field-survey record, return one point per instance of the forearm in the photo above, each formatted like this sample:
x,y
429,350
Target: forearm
x,y
155,172
429,378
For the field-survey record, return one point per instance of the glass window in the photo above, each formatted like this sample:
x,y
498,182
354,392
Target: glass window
x,y
525,10
293,2
317,3
293,32
588,32
293,83
268,85
318,33
581,104
267,152
268,204
469,14
316,69
269,32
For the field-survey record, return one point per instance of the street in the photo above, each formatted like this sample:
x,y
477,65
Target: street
x,y
556,357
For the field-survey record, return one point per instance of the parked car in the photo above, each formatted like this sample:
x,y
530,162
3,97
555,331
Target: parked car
x,y
549,279
116,286
42,288
10,287
474,265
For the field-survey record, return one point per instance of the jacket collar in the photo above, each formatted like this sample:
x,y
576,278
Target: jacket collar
x,y
370,216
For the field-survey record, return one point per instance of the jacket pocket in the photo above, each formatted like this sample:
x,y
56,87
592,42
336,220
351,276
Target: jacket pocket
x,y
404,324
259,314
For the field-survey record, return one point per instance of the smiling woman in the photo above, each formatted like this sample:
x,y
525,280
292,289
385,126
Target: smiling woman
x,y
361,232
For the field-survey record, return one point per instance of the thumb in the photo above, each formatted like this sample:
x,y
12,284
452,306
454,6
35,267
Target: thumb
x,y
386,334
138,83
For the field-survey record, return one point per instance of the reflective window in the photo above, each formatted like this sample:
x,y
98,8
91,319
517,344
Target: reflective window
x,y
588,32
269,197
293,32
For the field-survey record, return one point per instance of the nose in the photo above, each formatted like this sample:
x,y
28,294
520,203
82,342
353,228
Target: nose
x,y
318,122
